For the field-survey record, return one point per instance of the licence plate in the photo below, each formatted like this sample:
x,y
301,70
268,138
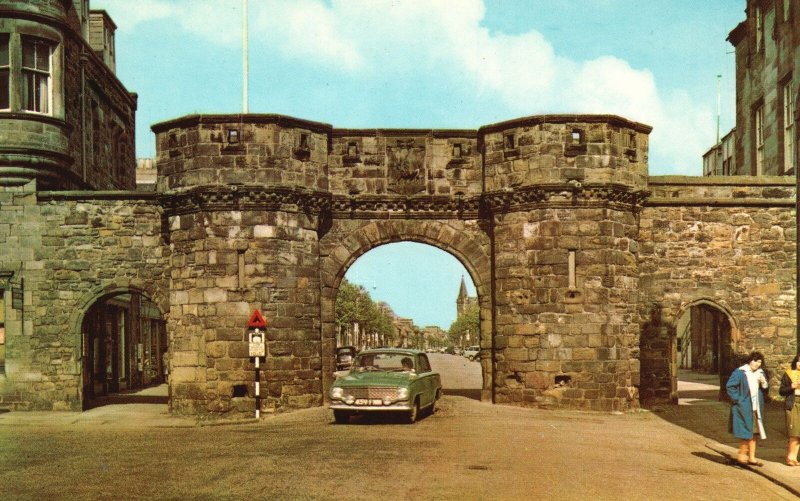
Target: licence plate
x,y
367,401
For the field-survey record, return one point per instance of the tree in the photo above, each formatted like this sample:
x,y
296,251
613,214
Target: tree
x,y
354,306
466,323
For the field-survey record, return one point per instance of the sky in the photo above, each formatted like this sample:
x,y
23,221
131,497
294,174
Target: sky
x,y
437,64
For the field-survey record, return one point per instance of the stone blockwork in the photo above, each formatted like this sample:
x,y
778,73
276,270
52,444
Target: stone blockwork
x,y
66,250
728,242
582,263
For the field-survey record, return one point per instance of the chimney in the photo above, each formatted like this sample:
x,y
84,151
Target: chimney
x,y
101,37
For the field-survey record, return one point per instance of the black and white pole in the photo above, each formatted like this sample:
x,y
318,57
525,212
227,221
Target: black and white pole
x,y
258,389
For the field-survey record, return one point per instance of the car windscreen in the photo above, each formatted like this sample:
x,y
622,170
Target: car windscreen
x,y
390,362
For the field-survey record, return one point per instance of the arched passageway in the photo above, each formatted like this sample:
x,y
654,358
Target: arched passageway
x,y
703,350
124,346
352,239
412,295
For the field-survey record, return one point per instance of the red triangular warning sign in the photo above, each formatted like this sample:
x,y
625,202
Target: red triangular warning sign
x,y
257,321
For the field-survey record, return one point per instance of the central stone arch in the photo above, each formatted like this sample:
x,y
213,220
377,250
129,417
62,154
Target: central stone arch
x,y
350,239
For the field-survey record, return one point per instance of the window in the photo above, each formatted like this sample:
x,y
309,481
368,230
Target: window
x,y
2,332
36,74
509,141
759,19
759,139
788,129
5,73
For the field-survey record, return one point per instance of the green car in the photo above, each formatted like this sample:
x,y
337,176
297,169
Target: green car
x,y
387,380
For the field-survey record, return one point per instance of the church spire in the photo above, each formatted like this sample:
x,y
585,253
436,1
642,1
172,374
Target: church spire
x,y
461,301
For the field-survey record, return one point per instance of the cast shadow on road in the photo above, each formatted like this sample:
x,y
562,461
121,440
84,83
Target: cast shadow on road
x,y
473,393
714,458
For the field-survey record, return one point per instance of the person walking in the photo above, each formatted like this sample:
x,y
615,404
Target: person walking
x,y
747,418
790,388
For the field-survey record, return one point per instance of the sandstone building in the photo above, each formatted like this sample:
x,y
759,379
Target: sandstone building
x,y
583,263
767,45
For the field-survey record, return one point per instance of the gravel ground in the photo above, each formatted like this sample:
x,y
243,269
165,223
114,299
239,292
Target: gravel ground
x,y
467,450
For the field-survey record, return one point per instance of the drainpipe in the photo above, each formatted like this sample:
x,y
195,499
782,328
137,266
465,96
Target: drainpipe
x,y
83,114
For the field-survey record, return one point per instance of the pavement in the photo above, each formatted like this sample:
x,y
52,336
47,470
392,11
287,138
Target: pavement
x,y
699,411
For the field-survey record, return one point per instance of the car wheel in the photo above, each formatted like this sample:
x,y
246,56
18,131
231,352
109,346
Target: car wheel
x,y
341,417
432,409
412,415
471,358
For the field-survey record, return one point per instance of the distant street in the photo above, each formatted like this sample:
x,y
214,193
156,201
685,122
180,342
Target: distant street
x,y
459,375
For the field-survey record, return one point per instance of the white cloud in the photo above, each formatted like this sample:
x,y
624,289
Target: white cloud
x,y
435,43
127,14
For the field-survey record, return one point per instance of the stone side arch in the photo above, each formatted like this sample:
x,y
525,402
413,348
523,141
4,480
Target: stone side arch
x,y
350,239
719,305
99,293
90,297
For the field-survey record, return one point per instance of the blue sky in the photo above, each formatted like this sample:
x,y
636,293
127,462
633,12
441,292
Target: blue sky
x,y
437,64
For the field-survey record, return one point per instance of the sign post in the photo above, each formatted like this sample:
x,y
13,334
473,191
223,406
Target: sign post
x,y
257,348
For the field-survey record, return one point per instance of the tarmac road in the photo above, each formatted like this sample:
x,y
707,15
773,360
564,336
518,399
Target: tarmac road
x,y
467,450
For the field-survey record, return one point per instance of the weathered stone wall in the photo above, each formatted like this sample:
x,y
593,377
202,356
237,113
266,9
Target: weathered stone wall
x,y
564,192
226,263
70,249
406,162
581,261
271,150
729,242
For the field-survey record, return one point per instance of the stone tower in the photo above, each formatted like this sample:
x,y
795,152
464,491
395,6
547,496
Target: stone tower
x,y
564,193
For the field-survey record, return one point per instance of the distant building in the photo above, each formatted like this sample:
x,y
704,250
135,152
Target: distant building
x,y
767,46
434,337
720,160
145,174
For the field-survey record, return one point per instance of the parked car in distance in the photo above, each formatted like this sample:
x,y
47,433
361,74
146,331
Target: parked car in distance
x,y
472,352
387,380
344,357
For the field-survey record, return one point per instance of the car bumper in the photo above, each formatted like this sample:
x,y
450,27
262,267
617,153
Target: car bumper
x,y
397,406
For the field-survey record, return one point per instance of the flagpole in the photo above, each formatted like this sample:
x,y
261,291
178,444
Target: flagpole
x,y
245,68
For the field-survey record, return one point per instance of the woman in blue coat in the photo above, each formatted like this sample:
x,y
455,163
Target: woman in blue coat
x,y
747,418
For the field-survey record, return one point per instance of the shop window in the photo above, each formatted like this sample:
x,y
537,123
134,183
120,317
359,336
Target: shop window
x,y
36,59
5,73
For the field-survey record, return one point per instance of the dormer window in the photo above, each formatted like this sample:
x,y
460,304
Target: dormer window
x,y
36,55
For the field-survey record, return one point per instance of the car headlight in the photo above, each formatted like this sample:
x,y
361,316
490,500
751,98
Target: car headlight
x,y
337,392
402,393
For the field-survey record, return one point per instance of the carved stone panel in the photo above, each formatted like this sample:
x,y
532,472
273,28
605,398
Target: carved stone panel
x,y
406,161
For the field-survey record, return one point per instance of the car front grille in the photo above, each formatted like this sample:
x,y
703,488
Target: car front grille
x,y
373,392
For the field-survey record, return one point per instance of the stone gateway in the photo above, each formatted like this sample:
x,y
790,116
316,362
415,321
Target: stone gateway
x,y
586,267
582,262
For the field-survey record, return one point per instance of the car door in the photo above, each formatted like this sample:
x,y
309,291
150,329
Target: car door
x,y
426,381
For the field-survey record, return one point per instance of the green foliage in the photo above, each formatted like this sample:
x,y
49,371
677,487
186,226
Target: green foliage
x,y
467,322
354,305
